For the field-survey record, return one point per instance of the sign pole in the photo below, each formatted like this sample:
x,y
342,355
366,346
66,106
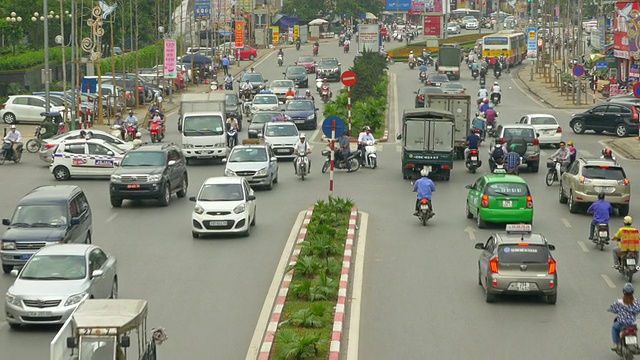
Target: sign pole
x,y
349,108
333,156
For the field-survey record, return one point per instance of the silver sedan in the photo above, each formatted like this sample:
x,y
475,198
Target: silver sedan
x,y
55,280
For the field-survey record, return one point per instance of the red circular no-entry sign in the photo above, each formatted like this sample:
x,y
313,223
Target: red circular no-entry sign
x,y
348,78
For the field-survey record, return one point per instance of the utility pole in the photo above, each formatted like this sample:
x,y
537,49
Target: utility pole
x,y
47,72
73,60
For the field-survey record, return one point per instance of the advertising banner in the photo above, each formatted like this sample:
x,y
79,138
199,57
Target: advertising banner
x,y
626,24
369,37
170,55
202,9
275,35
296,32
532,42
432,26
602,29
415,6
239,32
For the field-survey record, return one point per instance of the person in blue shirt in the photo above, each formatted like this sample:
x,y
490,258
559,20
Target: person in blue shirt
x,y
626,310
225,65
473,141
512,160
423,68
425,188
601,211
484,106
480,123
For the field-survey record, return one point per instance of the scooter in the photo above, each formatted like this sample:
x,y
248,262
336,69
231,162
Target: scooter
x,y
280,60
116,131
424,211
302,165
491,130
483,81
553,174
231,138
33,145
628,265
319,82
423,76
339,163
495,98
298,45
370,154
475,73
131,132
228,86
412,64
473,162
497,73
628,345
7,152
156,131
325,93
601,237
346,48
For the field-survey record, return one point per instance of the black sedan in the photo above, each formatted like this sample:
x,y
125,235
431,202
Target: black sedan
x,y
255,79
619,118
436,79
298,74
423,91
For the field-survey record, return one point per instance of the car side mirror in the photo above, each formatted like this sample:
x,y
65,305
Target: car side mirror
x,y
14,273
468,187
171,162
339,64
479,246
192,198
537,135
399,136
273,158
180,127
110,153
75,220
72,343
316,109
251,197
97,274
224,160
125,341
6,222
551,247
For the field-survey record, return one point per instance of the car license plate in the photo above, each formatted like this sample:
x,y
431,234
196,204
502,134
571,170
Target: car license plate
x,y
424,207
217,223
523,286
133,186
299,121
603,188
507,203
449,72
282,150
474,158
631,261
603,234
631,340
40,313
25,256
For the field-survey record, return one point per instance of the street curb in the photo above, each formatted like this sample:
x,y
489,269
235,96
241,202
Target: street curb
x,y
339,316
620,151
538,97
276,312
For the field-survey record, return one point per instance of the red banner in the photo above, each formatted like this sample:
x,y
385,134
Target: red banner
x,y
432,26
239,34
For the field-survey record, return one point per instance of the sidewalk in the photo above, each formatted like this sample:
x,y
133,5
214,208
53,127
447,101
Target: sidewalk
x,y
628,147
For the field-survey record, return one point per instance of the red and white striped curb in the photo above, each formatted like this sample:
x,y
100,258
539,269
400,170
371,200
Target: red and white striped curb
x,y
276,312
338,318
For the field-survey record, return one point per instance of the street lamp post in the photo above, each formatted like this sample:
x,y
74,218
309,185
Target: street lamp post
x,y
14,20
92,45
47,72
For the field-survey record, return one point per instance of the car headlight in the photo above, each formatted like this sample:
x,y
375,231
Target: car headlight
x,y
239,209
311,117
261,172
187,146
74,299
115,177
220,145
154,178
12,299
8,245
198,210
228,172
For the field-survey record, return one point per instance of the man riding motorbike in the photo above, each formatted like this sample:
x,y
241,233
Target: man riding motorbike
x,y
512,160
16,139
425,188
626,311
491,114
228,82
607,154
629,241
480,123
496,91
131,120
308,96
601,211
232,123
411,58
482,94
562,154
496,156
246,87
364,136
484,106
301,147
344,150
290,93
473,141
573,152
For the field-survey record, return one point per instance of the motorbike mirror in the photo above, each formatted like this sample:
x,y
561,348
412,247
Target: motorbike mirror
x,y
479,246
468,187
399,136
551,247
192,198
6,222
75,221
224,160
316,109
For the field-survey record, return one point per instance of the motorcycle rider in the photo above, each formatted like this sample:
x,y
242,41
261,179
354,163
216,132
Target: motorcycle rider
x,y
496,156
607,154
601,211
120,122
281,54
308,96
325,86
474,66
232,123
82,135
512,160
629,241
344,150
423,68
347,42
411,57
480,123
425,188
473,141
158,118
562,154
425,55
132,120
482,94
496,91
316,48
228,82
16,140
491,114
363,137
484,106
290,93
626,310
246,86
573,152
304,147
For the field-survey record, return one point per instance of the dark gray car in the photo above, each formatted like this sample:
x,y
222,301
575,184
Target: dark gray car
x,y
298,74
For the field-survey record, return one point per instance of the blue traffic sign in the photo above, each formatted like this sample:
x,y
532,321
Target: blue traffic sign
x,y
363,16
578,70
602,65
327,124
636,90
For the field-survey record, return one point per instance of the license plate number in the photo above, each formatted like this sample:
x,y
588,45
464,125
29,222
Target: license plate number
x,y
133,186
424,207
523,286
631,340
299,121
603,234
217,223
603,189
282,150
474,158
40,313
507,203
449,72
25,256
631,261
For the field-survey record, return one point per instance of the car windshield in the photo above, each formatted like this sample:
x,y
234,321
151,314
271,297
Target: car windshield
x,y
55,267
305,59
268,100
39,216
507,189
260,118
296,70
254,78
230,100
282,130
519,133
203,125
603,172
221,192
248,155
543,120
518,254
144,158
282,84
300,106
430,90
328,63
452,24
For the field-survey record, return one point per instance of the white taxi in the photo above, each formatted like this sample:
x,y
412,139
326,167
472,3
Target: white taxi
x,y
265,101
282,136
85,158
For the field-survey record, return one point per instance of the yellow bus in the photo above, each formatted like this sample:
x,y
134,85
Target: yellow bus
x,y
511,43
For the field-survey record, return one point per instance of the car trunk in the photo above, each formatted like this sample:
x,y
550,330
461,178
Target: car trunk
x,y
604,179
520,143
523,259
506,196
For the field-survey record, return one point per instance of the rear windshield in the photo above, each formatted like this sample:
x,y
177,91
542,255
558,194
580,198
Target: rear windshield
x,y
519,133
531,254
543,121
507,189
608,173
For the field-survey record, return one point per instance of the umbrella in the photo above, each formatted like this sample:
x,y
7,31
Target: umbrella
x,y
197,59
318,22
370,16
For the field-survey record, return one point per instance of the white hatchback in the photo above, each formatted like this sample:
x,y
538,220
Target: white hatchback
x,y
26,108
223,205
547,127
85,158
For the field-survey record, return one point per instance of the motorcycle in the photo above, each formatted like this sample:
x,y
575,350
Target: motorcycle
x,y
116,131
423,76
491,130
628,265
246,101
424,212
497,73
131,132
339,163
315,50
319,83
483,81
496,164
280,60
554,172
628,345
298,45
370,154
302,165
389,59
7,152
420,61
231,137
495,98
325,93
472,161
346,48
33,145
412,64
228,86
475,73
601,237
156,131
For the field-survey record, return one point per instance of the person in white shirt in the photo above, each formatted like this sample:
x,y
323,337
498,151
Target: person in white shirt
x,y
495,89
302,146
16,139
482,94
137,142
363,137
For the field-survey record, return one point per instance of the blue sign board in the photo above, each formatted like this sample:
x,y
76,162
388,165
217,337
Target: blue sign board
x,y
203,9
532,42
398,5
327,124
602,65
578,70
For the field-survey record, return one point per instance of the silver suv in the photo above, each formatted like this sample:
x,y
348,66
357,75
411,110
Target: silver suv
x,y
526,140
256,163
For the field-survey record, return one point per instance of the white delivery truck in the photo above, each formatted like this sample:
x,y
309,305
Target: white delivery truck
x,y
201,124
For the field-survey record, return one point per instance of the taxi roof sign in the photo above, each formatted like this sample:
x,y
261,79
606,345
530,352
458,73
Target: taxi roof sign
x,y
499,171
518,228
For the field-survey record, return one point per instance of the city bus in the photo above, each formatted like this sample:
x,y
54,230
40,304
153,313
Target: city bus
x,y
458,14
511,43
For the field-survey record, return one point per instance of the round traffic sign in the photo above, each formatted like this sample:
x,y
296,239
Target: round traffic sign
x,y
636,89
348,78
532,34
327,126
578,70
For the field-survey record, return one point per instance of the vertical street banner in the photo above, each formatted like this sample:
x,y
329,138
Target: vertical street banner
x,y
432,26
532,43
170,55
239,33
368,37
603,31
202,9
275,35
296,32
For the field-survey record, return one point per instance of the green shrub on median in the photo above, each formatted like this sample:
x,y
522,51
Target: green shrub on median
x,y
307,316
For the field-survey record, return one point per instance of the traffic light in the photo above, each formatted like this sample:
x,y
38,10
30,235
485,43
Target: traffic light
x,y
528,7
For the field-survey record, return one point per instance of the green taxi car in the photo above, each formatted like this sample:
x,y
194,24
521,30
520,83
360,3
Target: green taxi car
x,y
499,198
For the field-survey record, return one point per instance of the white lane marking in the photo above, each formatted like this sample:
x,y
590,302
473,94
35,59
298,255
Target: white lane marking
x,y
471,232
3,324
396,115
608,281
583,246
566,222
110,218
353,334
265,314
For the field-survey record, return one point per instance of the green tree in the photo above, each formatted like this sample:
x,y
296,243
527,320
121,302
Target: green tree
x,y
304,9
369,69
357,7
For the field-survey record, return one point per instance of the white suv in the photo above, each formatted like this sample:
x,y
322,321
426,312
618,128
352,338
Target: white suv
x,y
25,108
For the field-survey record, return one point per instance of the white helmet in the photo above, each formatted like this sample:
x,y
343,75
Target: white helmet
x,y
424,171
138,135
303,136
495,83
13,127
410,52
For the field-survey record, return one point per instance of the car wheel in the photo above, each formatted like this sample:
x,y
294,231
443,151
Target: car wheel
x,y
275,181
195,235
469,214
623,210
247,232
479,278
116,202
534,167
573,207
14,326
578,127
9,118
7,268
481,223
165,198
551,299
114,289
621,130
61,173
489,297
183,190
251,57
561,198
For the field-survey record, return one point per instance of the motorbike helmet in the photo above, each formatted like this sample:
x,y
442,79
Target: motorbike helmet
x,y
628,220
607,153
485,100
232,114
424,49
513,147
569,143
13,127
491,106
303,136
495,83
307,92
410,52
600,196
367,128
130,112
424,172
83,133
138,135
627,289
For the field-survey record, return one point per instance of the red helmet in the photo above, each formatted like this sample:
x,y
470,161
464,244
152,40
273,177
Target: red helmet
x,y
485,100
607,153
503,141
477,131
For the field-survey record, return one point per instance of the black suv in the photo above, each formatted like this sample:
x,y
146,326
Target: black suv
x,y
618,118
152,171
329,68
